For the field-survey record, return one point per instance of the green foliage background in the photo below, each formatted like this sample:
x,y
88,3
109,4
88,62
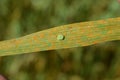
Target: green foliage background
x,y
22,17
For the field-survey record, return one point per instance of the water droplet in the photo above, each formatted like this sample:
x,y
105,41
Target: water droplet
x,y
60,37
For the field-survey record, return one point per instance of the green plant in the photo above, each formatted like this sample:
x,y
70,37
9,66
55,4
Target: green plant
x,y
75,35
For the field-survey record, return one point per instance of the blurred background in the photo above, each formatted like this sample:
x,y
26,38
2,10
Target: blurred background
x,y
95,62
